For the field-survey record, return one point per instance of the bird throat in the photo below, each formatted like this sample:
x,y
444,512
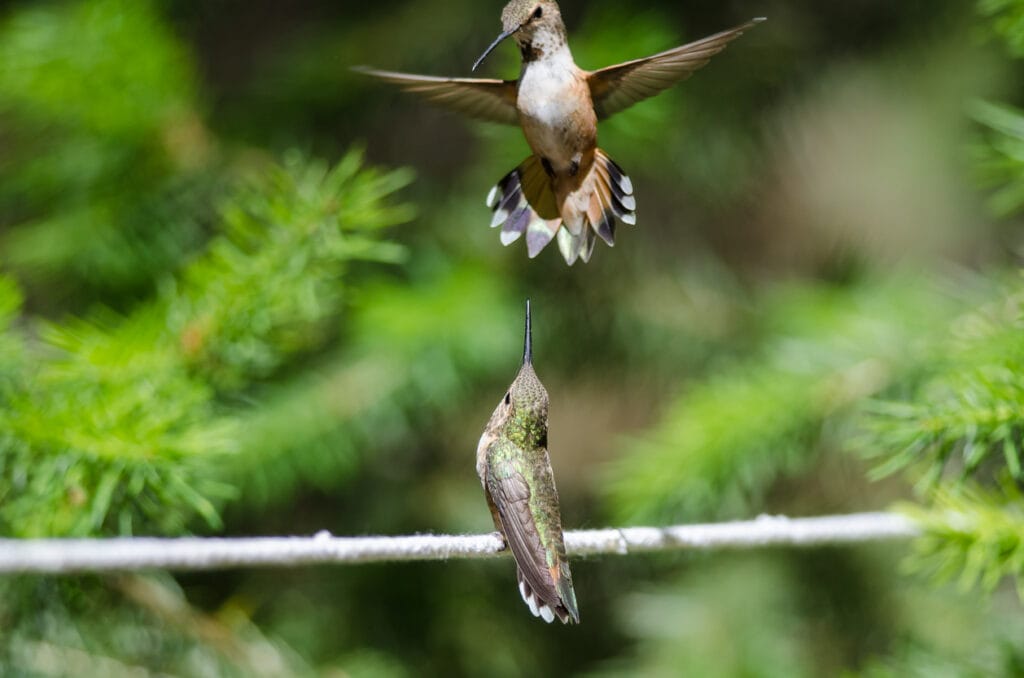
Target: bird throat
x,y
529,52
541,44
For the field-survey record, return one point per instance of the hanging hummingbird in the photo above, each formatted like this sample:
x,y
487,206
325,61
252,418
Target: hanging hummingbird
x,y
513,465
569,187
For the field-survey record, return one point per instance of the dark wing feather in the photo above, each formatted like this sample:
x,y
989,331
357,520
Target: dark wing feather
x,y
618,87
489,100
511,495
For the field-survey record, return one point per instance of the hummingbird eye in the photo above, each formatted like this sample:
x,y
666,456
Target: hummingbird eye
x,y
538,13
508,398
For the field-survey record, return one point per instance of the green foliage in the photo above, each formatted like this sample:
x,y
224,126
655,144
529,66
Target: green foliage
x,y
120,428
967,418
413,352
11,364
110,431
193,352
1007,21
999,155
724,439
10,345
704,623
960,429
78,64
972,535
723,442
104,171
268,289
51,625
944,632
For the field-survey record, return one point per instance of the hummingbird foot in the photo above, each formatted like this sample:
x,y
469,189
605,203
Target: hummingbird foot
x,y
504,542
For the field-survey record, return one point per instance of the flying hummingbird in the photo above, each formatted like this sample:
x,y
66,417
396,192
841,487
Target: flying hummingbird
x,y
513,465
569,187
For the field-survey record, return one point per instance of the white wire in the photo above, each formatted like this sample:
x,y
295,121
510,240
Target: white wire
x,y
64,556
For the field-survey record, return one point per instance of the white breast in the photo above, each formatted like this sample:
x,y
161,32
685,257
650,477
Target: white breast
x,y
548,101
545,91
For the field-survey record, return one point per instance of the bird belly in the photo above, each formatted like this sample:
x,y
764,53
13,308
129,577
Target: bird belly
x,y
557,117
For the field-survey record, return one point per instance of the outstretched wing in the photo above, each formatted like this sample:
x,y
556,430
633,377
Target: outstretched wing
x,y
489,100
618,87
544,577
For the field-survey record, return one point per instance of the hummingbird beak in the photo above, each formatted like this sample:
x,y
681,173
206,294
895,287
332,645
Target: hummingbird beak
x,y
528,341
494,44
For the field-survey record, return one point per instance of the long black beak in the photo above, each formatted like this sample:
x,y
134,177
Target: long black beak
x,y
490,49
528,341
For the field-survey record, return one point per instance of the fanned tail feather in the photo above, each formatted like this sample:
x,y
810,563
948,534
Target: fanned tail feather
x,y
619,187
524,203
516,200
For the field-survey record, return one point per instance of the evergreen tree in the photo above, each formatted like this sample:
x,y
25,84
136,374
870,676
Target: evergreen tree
x,y
201,336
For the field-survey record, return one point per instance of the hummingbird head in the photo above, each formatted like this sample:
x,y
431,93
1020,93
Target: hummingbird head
x,y
532,23
523,411
528,399
529,16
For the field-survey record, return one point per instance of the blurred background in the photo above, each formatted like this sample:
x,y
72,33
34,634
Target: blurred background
x,y
245,291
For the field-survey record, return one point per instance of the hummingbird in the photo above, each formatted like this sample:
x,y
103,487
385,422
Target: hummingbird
x,y
568,188
515,471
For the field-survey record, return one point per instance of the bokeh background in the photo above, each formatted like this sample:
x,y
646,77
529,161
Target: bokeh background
x,y
245,291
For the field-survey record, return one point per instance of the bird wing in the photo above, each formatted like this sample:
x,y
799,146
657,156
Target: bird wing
x,y
541,557
618,87
511,495
489,100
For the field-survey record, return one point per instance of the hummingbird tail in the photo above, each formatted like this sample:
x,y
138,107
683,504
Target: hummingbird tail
x,y
539,608
524,203
605,194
